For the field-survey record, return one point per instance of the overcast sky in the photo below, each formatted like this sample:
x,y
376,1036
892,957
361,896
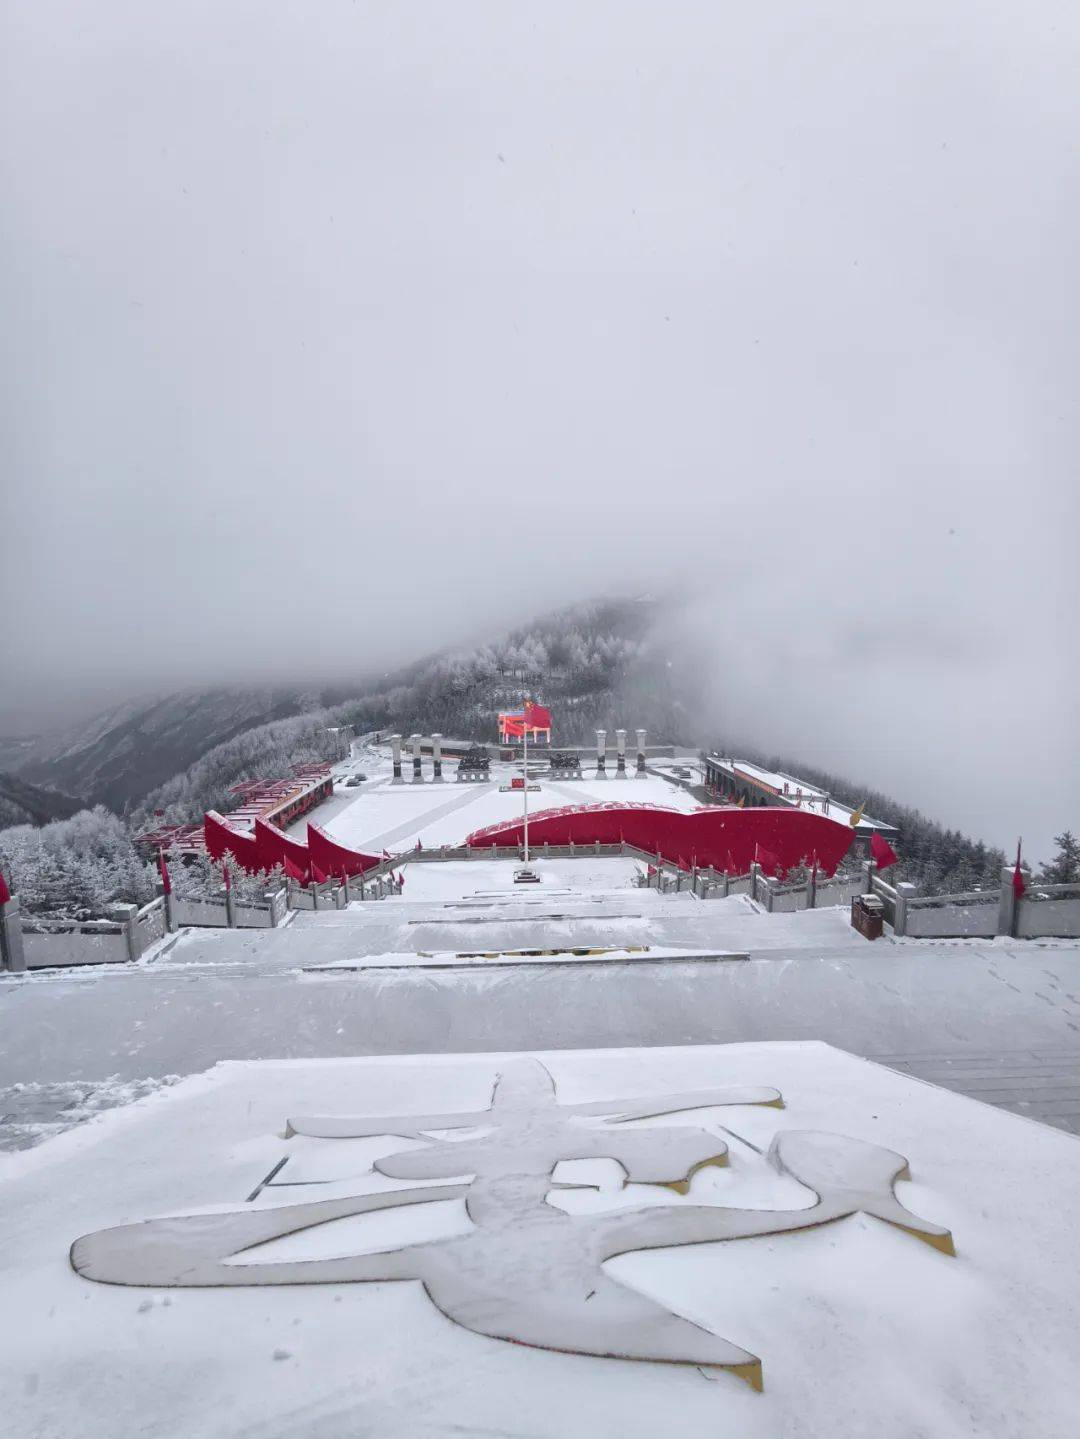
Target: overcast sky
x,y
334,332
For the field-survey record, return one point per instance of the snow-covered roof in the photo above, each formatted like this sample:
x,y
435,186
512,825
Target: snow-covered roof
x,y
800,792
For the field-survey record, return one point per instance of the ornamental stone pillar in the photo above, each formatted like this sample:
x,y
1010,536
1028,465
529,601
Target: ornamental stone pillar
x,y
417,773
640,754
620,747
436,758
601,754
395,750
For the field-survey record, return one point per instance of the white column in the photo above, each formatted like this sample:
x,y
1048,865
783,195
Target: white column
x,y
436,757
620,747
601,754
640,754
395,750
417,773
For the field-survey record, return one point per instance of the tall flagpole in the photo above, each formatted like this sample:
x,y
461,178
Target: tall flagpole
x,y
525,766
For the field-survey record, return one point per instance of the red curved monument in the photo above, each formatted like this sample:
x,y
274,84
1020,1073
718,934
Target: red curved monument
x,y
275,847
269,846
222,839
333,858
723,838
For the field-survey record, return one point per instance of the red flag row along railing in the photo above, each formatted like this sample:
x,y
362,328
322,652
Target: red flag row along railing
x,y
266,847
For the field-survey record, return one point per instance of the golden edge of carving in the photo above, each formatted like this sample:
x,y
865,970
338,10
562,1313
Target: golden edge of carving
x,y
942,1242
750,1373
682,1186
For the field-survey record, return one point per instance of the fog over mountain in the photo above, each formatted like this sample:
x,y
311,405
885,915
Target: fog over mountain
x,y
339,335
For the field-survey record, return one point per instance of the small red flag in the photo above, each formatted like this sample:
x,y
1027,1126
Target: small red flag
x,y
401,881
769,862
5,893
317,874
1019,884
882,851
166,882
293,871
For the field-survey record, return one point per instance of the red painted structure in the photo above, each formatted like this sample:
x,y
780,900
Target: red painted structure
x,y
268,847
334,858
279,801
273,847
724,839
222,839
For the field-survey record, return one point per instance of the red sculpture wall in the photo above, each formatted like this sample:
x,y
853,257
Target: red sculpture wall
x,y
222,839
333,858
274,847
725,839
269,846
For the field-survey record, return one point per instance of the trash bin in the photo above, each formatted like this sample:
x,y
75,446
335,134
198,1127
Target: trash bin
x,y
867,915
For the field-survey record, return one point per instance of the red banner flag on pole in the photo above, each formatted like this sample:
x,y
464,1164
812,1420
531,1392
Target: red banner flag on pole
x,y
166,882
5,893
769,862
882,852
317,874
293,871
1019,884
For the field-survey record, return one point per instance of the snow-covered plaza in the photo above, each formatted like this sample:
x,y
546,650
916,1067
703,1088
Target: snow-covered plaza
x,y
234,1073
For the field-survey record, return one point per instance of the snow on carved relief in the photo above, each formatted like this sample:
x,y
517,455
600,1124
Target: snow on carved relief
x,y
526,1270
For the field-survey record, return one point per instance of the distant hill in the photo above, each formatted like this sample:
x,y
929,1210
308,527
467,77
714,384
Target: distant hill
x,y
603,664
596,664
22,803
124,753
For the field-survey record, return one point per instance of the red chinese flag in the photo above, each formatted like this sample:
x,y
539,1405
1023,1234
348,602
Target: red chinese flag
x,y
537,716
317,874
882,852
1019,884
166,882
293,871
5,893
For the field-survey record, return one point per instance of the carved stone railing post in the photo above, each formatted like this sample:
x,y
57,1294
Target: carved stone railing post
x,y
12,956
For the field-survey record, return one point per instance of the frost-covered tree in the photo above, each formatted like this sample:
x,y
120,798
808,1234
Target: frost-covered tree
x,y
1064,868
75,867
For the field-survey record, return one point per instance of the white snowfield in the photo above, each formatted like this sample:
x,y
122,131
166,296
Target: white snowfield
x,y
860,1326
380,815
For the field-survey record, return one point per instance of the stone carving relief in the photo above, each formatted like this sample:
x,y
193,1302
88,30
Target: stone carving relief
x,y
527,1271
